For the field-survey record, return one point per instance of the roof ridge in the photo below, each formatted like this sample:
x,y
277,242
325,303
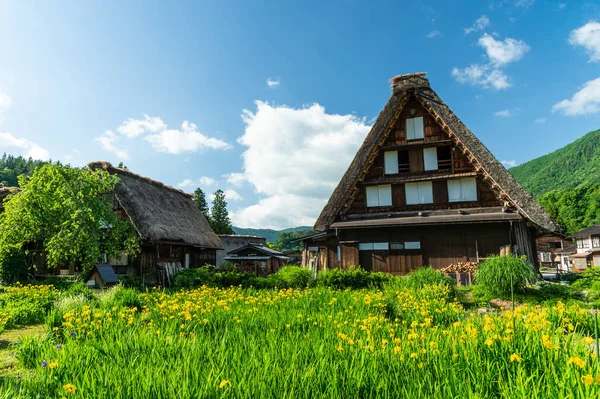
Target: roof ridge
x,y
107,166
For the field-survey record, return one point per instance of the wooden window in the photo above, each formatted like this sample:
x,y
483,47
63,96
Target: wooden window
x,y
391,162
430,159
596,242
460,190
414,128
419,193
583,243
444,156
373,246
397,245
416,160
379,195
554,244
412,245
546,257
403,161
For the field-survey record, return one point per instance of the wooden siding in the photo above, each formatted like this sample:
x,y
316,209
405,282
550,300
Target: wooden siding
x,y
440,246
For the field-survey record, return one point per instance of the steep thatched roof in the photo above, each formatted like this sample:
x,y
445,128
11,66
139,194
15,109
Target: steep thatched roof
x,y
417,85
4,192
160,213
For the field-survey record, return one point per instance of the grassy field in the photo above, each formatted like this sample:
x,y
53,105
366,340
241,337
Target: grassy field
x,y
317,342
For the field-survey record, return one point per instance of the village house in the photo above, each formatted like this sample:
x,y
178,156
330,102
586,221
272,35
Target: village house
x,y
586,252
174,232
258,259
423,190
233,241
549,247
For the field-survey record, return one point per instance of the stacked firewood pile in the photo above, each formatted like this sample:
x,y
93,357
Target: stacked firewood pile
x,y
461,267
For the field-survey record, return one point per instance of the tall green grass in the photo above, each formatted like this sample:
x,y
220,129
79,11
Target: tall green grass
x,y
316,342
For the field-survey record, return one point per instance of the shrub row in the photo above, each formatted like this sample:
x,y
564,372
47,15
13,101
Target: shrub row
x,y
300,277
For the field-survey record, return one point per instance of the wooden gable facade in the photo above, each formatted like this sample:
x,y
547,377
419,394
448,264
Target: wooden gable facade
x,y
423,190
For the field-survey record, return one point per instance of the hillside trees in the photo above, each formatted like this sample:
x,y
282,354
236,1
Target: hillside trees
x,y
12,167
67,212
574,208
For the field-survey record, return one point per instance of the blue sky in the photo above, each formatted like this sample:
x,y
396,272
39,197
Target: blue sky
x,y
270,100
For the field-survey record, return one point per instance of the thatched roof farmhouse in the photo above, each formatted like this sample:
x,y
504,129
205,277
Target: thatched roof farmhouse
x,y
172,228
423,190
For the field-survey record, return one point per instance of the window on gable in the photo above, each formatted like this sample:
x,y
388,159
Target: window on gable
x,y
379,195
419,193
430,158
391,162
414,128
595,241
583,243
460,190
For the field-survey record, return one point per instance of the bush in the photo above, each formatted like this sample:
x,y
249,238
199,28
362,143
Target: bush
x,y
78,289
132,281
227,267
354,278
13,266
495,274
293,277
60,283
193,278
426,276
587,279
122,297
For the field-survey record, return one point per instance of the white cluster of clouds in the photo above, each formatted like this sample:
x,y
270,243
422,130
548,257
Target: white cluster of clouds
x,y
300,180
156,132
480,24
273,83
587,99
203,181
23,146
499,54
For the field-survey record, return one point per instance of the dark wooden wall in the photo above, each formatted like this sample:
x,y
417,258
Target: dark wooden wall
x,y
440,246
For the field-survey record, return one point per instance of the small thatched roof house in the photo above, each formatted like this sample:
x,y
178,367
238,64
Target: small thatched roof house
x,y
170,224
423,190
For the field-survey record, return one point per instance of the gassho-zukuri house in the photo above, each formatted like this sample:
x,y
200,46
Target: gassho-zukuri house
x,y
172,228
423,190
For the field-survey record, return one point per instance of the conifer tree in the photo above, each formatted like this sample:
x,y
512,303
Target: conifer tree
x,y
200,199
219,216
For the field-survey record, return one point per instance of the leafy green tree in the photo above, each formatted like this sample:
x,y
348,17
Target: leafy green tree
x,y
68,212
285,240
200,199
12,167
219,216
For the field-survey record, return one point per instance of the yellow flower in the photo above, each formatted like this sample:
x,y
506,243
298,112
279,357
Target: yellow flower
x,y
577,362
53,365
397,350
287,325
224,383
587,340
69,388
587,379
339,349
489,342
414,356
515,358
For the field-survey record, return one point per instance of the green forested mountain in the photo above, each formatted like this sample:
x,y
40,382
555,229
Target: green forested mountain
x,y
566,182
568,167
269,234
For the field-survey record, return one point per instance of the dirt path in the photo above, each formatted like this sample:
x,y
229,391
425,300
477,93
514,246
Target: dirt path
x,y
9,366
